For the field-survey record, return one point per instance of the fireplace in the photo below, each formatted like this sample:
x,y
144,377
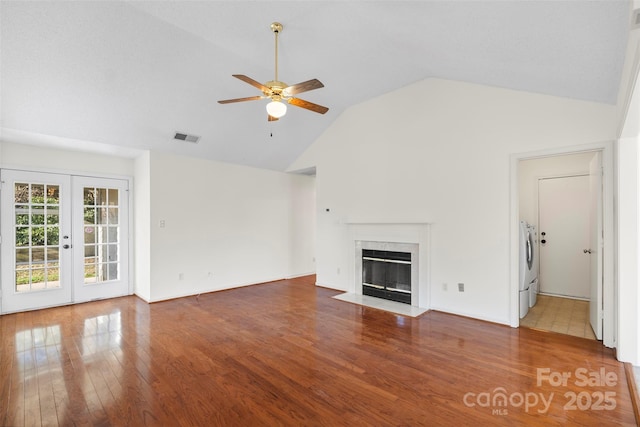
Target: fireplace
x,y
387,274
389,265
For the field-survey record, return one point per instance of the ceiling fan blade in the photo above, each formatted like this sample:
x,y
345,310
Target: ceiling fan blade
x,y
303,87
250,98
308,105
252,82
270,118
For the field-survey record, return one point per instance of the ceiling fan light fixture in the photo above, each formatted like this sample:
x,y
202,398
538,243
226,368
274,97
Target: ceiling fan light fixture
x,y
276,109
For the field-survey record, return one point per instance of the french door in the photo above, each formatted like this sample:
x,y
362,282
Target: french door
x,y
64,239
100,238
36,229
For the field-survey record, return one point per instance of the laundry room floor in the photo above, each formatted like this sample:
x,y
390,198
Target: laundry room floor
x,y
562,315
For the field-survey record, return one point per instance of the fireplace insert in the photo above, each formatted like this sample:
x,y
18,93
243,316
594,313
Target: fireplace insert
x,y
387,274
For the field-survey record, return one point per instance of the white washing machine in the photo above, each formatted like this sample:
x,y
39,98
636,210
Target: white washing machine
x,y
534,287
526,266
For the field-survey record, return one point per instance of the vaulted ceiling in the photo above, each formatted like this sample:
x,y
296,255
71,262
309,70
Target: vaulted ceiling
x,y
128,75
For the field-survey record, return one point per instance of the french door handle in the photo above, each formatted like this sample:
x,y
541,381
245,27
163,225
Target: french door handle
x,y
66,246
586,251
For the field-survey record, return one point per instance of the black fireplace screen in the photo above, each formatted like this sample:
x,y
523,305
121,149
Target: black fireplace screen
x,y
387,274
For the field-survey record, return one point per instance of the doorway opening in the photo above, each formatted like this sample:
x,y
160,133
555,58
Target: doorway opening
x,y
575,288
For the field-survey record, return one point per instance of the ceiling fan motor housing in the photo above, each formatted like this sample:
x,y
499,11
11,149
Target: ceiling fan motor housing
x,y
277,87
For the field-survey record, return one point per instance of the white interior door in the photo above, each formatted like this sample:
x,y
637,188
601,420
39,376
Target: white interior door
x,y
596,245
564,205
100,241
36,245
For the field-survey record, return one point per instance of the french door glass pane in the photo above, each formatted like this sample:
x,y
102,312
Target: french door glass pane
x,y
101,231
36,254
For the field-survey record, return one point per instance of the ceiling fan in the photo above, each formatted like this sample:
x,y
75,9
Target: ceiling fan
x,y
280,92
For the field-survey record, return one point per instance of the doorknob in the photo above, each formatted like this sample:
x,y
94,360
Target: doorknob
x,y
66,246
586,251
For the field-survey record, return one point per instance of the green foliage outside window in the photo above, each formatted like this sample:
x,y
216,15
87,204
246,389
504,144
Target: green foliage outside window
x,y
41,231
35,229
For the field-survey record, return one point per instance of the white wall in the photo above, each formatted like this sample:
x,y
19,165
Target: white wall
x,y
65,161
224,226
142,230
439,151
628,251
303,226
628,204
530,171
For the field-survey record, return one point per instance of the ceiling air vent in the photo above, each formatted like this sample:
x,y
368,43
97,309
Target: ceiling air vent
x,y
184,137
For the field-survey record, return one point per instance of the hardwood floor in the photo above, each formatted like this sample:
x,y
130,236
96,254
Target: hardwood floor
x,y
286,353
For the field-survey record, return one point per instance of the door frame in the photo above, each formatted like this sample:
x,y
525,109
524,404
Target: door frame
x,y
131,231
609,286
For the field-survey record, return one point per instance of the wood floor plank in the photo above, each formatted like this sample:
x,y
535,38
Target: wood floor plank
x,y
15,408
286,353
46,395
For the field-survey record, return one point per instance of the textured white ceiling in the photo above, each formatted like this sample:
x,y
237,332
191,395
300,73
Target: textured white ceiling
x,y
130,74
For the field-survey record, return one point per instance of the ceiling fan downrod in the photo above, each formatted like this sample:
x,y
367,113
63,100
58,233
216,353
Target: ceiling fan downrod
x,y
276,27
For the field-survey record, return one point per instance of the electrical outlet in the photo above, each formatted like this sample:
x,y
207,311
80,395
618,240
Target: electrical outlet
x,y
180,276
338,270
444,286
460,287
